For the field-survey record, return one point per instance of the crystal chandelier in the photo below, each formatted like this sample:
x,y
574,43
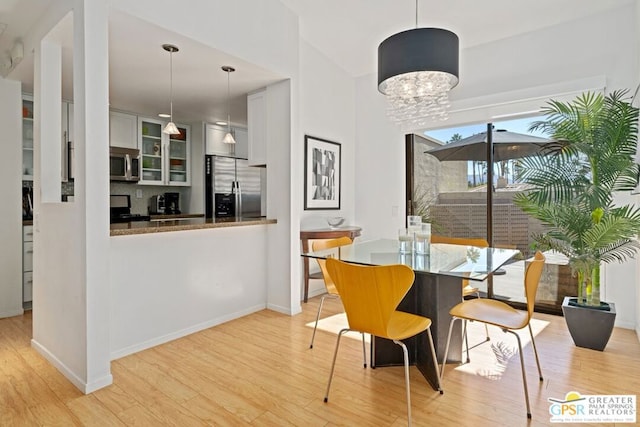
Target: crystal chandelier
x,y
416,70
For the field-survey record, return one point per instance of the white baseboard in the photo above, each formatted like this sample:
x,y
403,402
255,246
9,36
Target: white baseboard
x,y
11,312
624,325
117,354
84,387
289,311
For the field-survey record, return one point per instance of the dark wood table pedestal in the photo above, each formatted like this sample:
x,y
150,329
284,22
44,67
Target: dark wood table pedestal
x,y
322,233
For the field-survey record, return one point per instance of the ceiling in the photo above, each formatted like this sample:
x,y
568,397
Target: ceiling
x,y
348,32
139,68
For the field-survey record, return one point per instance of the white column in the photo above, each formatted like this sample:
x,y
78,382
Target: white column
x,y
71,255
91,133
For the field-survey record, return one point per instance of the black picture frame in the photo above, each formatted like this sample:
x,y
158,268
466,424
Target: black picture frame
x,y
322,174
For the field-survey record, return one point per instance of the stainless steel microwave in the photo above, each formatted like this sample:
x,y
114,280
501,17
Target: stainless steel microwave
x,y
124,164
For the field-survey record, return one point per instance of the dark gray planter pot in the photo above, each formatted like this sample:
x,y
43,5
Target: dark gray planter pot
x,y
589,327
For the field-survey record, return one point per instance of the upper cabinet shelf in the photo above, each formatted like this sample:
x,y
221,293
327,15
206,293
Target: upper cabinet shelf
x,y
165,158
27,139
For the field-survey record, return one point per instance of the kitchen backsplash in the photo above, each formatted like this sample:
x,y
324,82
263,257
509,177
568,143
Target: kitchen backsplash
x,y
140,205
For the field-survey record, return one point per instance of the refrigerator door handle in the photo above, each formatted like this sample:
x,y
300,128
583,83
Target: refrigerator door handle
x,y
238,198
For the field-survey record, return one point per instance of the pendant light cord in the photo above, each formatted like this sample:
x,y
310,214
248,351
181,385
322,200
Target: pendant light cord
x,y
228,103
171,85
416,13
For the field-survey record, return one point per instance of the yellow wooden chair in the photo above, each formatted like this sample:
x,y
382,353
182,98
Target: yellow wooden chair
x,y
370,295
497,313
332,292
467,288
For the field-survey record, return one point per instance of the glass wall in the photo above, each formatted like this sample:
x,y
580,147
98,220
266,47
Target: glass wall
x,y
450,191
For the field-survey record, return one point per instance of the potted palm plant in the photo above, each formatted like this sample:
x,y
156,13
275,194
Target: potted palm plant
x,y
572,186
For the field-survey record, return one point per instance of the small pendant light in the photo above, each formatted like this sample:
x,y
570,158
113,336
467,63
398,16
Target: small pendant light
x,y
228,138
171,128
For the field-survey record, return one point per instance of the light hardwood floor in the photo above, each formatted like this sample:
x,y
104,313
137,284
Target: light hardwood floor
x,y
259,370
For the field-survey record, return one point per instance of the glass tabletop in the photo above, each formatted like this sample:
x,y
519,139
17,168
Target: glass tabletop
x,y
470,262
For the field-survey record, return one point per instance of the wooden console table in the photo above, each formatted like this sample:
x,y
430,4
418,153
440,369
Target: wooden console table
x,y
322,233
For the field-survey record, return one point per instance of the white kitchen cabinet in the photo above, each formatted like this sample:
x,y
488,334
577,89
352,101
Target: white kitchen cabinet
x,y
242,142
27,264
165,159
27,138
214,134
257,123
123,130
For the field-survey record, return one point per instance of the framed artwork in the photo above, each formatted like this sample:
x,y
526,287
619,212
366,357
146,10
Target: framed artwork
x,y
321,174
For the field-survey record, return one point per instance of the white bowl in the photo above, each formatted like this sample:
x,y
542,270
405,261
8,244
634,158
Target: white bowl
x,y
335,221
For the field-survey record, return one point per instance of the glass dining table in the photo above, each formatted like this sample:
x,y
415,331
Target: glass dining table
x,y
437,288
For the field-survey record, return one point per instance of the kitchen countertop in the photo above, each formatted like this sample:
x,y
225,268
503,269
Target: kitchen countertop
x,y
198,223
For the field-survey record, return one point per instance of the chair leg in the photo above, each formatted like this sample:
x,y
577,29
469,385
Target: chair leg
x,y
364,351
406,378
524,376
466,338
333,364
435,358
535,351
317,319
446,348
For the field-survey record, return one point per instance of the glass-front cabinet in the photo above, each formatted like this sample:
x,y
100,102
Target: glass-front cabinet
x,y
151,151
178,150
165,158
27,139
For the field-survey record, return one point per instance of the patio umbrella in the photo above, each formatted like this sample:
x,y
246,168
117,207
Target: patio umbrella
x,y
506,146
490,146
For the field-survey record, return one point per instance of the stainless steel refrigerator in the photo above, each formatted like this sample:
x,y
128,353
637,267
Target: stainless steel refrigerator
x,y
232,188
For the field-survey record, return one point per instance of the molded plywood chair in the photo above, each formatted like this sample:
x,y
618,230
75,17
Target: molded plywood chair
x,y
467,289
370,295
332,292
507,318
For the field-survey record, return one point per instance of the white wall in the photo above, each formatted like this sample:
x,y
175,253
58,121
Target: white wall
x,y
555,57
10,208
167,285
379,165
327,111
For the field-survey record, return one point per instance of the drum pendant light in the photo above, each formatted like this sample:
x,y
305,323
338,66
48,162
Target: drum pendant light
x,y
416,70
171,128
228,138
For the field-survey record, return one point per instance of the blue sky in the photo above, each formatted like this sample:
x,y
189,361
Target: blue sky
x,y
517,125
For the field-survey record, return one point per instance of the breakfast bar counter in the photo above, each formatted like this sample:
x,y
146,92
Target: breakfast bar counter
x,y
181,224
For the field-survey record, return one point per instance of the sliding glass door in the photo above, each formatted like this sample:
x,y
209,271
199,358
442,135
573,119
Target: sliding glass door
x,y
447,179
